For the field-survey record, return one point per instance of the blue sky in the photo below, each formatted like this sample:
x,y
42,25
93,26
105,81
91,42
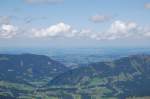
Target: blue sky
x,y
74,23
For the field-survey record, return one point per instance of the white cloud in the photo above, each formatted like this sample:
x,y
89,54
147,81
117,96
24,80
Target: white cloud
x,y
59,30
8,28
43,1
147,5
100,18
122,27
7,31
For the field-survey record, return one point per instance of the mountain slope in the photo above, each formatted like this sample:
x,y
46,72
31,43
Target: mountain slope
x,y
128,76
28,67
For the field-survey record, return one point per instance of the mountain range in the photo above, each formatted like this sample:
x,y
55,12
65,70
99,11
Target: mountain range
x,y
28,76
28,67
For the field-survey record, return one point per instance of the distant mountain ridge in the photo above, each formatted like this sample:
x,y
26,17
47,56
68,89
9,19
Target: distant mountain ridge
x,y
127,76
28,67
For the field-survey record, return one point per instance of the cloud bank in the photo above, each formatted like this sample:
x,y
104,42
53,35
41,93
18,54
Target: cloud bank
x,y
117,30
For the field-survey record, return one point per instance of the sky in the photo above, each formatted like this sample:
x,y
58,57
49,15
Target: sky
x,y
74,23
